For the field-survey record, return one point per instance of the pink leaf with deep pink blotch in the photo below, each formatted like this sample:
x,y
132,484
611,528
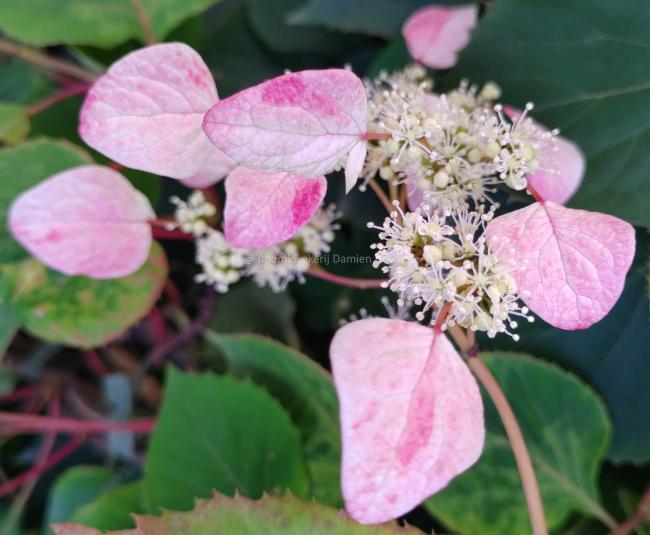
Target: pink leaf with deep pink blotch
x,y
411,415
146,111
264,209
435,34
562,167
215,169
88,220
305,123
570,264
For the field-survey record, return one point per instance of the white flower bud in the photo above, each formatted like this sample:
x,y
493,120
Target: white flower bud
x,y
474,155
491,149
414,153
386,172
432,254
490,91
441,179
391,146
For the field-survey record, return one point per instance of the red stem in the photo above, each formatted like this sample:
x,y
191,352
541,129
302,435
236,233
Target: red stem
x,y
640,517
62,94
534,193
20,394
27,424
32,473
164,234
362,284
444,311
95,363
368,136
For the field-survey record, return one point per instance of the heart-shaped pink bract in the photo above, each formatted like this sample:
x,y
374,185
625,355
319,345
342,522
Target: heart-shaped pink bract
x,y
215,169
264,209
563,167
571,264
559,181
146,111
304,123
435,34
88,220
411,415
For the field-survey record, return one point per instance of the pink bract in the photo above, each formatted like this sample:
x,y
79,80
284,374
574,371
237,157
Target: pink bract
x,y
264,209
146,111
215,169
88,220
411,415
563,167
560,181
435,34
571,263
304,123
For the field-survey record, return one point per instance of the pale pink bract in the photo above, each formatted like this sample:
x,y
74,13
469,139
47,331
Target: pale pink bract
x,y
215,169
304,123
435,34
264,209
146,111
411,415
571,264
88,220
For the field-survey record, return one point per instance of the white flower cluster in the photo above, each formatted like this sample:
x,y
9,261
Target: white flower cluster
x,y
190,216
275,266
450,148
439,261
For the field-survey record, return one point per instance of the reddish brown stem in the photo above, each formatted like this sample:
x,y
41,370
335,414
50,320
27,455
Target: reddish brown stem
x,y
116,166
534,193
48,102
381,195
32,473
444,311
164,234
375,136
12,423
641,516
51,64
362,284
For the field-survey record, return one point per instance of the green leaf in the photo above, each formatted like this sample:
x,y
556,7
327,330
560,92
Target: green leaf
x,y
9,324
270,22
381,18
567,432
103,23
113,509
394,56
612,356
305,390
217,433
271,515
21,83
560,55
76,487
79,311
24,166
247,308
14,123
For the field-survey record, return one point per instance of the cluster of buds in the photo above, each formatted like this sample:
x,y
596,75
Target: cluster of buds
x,y
275,266
441,262
450,148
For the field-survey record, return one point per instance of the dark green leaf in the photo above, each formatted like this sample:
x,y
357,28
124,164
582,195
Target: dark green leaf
x,y
567,432
305,390
21,83
586,65
269,20
217,433
382,18
79,311
247,308
24,166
